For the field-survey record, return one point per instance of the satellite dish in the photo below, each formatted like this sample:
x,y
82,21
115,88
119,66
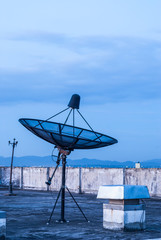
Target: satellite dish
x,y
66,138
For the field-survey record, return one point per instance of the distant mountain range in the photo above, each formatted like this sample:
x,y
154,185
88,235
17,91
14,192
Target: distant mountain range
x,y
29,161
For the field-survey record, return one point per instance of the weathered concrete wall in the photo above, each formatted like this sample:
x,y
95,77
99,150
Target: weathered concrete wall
x,y
92,178
34,178
72,179
56,182
86,180
151,177
5,176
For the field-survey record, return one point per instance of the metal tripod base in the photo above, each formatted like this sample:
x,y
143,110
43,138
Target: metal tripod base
x,y
62,192
62,220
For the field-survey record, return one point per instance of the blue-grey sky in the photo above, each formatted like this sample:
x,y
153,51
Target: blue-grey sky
x,y
108,52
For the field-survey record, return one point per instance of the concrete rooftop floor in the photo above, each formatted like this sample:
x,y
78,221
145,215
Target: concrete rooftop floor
x,y
28,212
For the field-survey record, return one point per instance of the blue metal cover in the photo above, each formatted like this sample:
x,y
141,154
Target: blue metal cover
x,y
123,192
2,214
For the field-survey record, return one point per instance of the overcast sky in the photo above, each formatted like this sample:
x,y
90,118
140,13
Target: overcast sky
x,y
108,52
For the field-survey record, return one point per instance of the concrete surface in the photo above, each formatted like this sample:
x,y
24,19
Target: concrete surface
x,y
28,211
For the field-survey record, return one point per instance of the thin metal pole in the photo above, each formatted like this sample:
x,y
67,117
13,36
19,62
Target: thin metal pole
x,y
89,125
63,189
57,114
57,162
51,117
50,178
10,184
54,206
66,119
13,147
77,204
73,122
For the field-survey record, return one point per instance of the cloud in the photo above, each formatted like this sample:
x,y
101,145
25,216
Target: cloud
x,y
43,66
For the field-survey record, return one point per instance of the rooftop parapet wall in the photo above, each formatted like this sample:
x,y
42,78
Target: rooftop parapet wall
x,y
151,177
93,178
85,180
34,178
5,176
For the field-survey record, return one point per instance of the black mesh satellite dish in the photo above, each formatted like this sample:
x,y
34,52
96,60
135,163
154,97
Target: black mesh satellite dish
x,y
66,138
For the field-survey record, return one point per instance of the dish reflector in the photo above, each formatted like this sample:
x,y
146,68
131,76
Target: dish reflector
x,y
67,136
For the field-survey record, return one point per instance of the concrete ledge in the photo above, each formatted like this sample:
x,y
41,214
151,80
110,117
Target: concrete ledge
x,y
125,207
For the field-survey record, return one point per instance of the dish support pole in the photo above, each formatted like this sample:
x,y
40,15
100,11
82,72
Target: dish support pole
x,y
63,189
